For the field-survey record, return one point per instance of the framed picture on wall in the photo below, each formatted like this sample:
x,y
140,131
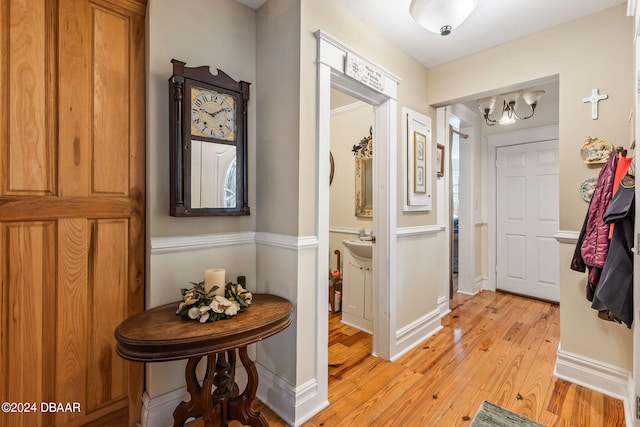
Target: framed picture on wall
x,y
420,163
417,161
440,160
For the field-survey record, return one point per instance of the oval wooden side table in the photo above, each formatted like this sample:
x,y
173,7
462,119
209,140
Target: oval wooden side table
x,y
159,335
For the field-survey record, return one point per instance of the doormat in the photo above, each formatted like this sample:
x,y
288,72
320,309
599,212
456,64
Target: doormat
x,y
490,415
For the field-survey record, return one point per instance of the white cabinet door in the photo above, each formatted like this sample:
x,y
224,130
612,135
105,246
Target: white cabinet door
x,y
368,291
527,220
353,288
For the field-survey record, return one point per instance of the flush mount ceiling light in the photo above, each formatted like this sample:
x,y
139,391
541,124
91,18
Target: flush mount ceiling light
x,y
508,114
441,16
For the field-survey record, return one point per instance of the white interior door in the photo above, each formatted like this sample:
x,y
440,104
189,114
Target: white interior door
x,y
527,220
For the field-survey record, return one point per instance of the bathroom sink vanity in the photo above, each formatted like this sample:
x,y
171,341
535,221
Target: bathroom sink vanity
x,y
357,285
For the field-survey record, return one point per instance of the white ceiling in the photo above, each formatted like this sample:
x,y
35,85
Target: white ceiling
x,y
492,23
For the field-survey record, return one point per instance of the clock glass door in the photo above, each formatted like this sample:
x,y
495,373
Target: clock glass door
x,y
213,175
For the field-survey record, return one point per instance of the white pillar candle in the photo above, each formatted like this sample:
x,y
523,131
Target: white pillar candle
x,y
213,277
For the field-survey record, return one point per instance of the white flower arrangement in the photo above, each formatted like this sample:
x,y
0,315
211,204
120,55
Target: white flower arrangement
x,y
209,307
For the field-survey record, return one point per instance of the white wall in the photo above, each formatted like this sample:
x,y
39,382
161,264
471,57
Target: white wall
x,y
220,34
180,249
173,270
285,248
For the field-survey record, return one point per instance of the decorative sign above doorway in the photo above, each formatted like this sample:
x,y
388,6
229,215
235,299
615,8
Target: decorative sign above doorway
x,y
362,71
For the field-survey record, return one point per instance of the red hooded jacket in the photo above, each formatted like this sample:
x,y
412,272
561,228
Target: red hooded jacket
x,y
596,240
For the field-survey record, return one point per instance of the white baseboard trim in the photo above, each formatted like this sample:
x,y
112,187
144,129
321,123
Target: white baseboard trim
x,y
308,402
597,376
158,411
413,334
277,394
443,306
478,284
293,405
629,407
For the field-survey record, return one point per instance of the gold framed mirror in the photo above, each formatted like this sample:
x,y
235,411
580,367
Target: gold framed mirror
x,y
363,152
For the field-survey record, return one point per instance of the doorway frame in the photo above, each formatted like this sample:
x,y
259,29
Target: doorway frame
x,y
331,73
524,136
635,383
462,120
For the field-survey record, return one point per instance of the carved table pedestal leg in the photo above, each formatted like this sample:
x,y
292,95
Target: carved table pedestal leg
x,y
218,399
240,406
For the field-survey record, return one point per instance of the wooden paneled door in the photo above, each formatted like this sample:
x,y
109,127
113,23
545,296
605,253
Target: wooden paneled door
x,y
71,207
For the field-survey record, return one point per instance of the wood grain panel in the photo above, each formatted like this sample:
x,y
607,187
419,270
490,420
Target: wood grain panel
x,y
72,308
71,205
30,151
4,96
111,80
136,195
74,98
30,268
40,208
124,6
108,287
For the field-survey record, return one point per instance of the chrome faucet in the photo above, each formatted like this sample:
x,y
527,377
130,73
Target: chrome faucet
x,y
363,235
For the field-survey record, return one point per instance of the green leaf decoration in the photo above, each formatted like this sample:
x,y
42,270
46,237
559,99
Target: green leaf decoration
x,y
236,299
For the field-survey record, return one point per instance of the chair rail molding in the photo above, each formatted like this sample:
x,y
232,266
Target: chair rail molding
x,y
162,245
567,236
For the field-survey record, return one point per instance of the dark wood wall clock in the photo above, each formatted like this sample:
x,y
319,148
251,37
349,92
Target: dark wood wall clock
x,y
208,142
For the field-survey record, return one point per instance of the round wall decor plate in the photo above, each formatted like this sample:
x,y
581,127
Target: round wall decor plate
x,y
596,151
587,188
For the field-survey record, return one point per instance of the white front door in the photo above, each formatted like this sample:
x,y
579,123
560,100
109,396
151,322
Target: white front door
x,y
527,220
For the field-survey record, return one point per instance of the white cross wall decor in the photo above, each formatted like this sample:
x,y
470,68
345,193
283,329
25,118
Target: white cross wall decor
x,y
594,99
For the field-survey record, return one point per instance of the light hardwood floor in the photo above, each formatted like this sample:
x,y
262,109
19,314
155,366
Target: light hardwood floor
x,y
492,346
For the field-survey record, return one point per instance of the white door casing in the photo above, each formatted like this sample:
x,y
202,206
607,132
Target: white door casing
x,y
527,220
331,73
635,387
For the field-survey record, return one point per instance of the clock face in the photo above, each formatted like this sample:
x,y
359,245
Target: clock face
x,y
213,114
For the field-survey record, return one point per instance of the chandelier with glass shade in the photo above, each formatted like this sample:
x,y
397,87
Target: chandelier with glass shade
x,y
441,16
510,102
